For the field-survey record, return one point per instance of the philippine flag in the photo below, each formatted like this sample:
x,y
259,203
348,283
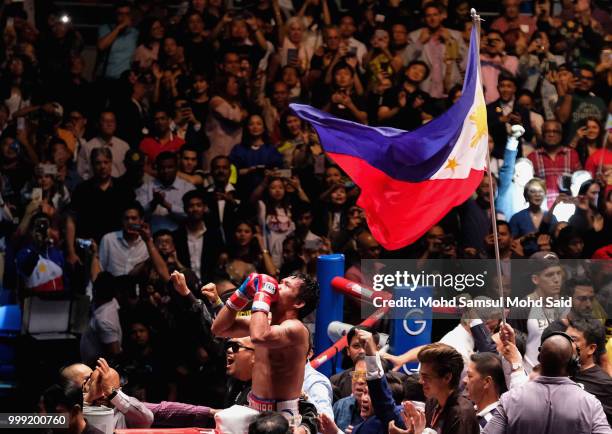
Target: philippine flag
x,y
410,180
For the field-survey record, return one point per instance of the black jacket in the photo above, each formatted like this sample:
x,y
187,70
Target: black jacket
x,y
211,249
497,128
231,213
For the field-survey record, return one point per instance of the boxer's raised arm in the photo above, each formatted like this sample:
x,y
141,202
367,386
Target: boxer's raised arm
x,y
228,325
290,332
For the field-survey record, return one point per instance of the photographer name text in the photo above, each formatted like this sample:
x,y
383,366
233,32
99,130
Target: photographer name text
x,y
501,302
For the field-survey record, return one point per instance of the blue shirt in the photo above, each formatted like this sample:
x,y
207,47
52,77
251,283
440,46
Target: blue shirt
x,y
319,390
346,412
120,52
521,224
245,156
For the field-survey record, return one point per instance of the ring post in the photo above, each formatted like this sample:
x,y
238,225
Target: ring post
x,y
331,305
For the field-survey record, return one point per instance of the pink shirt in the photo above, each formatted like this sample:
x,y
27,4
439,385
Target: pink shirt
x,y
503,25
491,68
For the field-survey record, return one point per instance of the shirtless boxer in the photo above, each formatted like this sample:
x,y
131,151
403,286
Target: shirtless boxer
x,y
280,344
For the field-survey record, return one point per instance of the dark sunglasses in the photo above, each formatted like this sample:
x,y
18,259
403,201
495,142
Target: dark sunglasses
x,y
235,346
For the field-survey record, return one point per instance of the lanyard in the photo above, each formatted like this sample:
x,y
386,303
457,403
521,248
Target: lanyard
x,y
436,416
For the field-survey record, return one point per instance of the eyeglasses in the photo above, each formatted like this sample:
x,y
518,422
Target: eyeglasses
x,y
358,376
235,346
583,298
551,131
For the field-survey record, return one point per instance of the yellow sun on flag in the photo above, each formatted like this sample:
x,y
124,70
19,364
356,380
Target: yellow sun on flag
x,y
479,117
451,164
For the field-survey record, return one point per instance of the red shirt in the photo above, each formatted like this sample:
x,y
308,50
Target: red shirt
x,y
592,163
153,147
566,161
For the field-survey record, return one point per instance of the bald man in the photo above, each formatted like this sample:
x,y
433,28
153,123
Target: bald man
x,y
102,386
99,388
552,403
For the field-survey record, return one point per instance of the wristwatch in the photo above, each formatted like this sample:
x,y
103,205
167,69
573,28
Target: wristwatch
x,y
113,393
516,366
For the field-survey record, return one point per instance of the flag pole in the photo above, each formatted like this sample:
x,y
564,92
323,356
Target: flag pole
x,y
476,20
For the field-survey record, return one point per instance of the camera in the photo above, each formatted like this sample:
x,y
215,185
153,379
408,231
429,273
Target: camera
x,y
284,173
41,226
564,182
83,243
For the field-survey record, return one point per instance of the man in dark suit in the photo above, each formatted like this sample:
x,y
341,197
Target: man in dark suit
x,y
220,198
505,112
132,116
197,246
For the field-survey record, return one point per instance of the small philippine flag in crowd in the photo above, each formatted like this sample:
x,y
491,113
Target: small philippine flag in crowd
x,y
410,180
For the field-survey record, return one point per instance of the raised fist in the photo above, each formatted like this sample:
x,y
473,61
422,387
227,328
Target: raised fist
x,y
267,293
517,130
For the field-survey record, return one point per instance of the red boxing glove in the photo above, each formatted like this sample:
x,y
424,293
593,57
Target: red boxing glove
x,y
267,293
241,297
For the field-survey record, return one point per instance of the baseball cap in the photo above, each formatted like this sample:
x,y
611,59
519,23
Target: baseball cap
x,y
540,261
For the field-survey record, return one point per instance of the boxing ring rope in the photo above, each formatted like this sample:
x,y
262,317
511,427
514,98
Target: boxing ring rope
x,y
362,293
341,343
355,290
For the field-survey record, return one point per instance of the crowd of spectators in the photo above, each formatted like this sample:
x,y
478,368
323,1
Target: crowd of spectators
x,y
180,153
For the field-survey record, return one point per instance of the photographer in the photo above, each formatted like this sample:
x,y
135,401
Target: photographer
x,y
187,127
40,263
538,70
45,188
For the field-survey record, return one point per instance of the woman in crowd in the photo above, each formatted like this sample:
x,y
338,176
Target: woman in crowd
x,y
588,138
533,220
331,218
52,193
200,97
243,255
274,215
17,84
224,122
151,35
254,154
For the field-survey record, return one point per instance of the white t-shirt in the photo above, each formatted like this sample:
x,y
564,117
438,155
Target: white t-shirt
x,y
104,328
